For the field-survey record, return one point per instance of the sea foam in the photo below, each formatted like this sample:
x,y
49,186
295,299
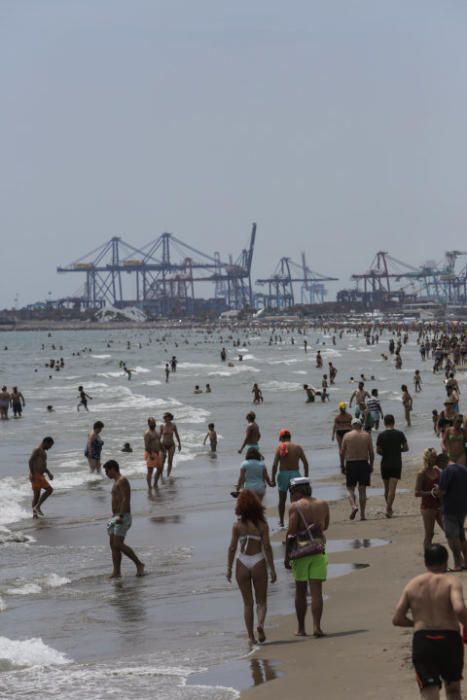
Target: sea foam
x,y
29,652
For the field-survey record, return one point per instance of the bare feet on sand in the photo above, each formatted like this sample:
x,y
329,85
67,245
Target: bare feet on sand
x,y
261,635
353,513
140,570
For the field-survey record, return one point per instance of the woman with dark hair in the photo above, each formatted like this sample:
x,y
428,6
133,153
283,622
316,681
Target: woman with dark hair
x,y
407,403
167,433
252,532
430,506
94,445
253,473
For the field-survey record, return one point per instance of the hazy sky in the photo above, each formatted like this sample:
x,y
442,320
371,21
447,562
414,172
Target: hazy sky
x,y
340,126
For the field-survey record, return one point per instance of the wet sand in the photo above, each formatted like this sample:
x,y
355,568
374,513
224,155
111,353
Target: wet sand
x,y
362,655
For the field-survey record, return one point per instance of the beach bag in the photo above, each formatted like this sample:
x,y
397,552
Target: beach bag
x,y
306,542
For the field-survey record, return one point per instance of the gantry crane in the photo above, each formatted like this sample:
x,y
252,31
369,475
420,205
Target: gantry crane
x,y
164,273
280,285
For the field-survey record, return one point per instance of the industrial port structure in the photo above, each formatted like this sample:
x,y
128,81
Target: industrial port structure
x,y
164,276
160,278
392,281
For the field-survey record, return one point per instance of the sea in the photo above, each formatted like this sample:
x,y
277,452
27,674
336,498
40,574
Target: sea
x,y
68,632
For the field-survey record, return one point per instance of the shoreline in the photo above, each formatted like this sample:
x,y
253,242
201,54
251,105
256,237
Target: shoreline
x,y
363,654
333,319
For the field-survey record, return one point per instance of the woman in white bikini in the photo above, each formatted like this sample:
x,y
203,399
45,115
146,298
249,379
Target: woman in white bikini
x,y
252,532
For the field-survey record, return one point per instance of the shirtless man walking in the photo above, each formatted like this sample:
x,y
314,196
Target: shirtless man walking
x,y
360,395
37,469
341,426
120,523
252,433
287,458
152,452
436,603
312,569
358,456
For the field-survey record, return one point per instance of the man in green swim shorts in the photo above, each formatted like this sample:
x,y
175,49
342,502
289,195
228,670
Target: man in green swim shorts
x,y
287,458
311,569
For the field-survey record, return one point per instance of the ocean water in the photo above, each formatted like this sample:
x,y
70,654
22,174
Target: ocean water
x,y
87,637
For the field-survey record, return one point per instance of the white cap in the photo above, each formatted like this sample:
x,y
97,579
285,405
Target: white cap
x,y
299,481
356,421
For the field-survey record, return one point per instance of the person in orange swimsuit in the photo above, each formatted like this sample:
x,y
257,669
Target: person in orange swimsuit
x,y
37,469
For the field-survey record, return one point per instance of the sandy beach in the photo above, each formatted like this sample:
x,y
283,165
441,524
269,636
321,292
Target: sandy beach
x,y
362,655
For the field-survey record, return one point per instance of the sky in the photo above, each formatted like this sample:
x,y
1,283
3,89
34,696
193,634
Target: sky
x,y
339,126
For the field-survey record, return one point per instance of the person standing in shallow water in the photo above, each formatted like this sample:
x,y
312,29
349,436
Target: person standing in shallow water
x,y
407,403
167,433
252,532
4,403
257,394
94,447
252,433
152,453
17,402
37,469
120,523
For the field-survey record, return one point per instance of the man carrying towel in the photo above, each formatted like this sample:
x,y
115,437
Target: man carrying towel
x,y
287,458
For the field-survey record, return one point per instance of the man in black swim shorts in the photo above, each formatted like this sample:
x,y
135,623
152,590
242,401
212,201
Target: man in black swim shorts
x,y
358,456
436,602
